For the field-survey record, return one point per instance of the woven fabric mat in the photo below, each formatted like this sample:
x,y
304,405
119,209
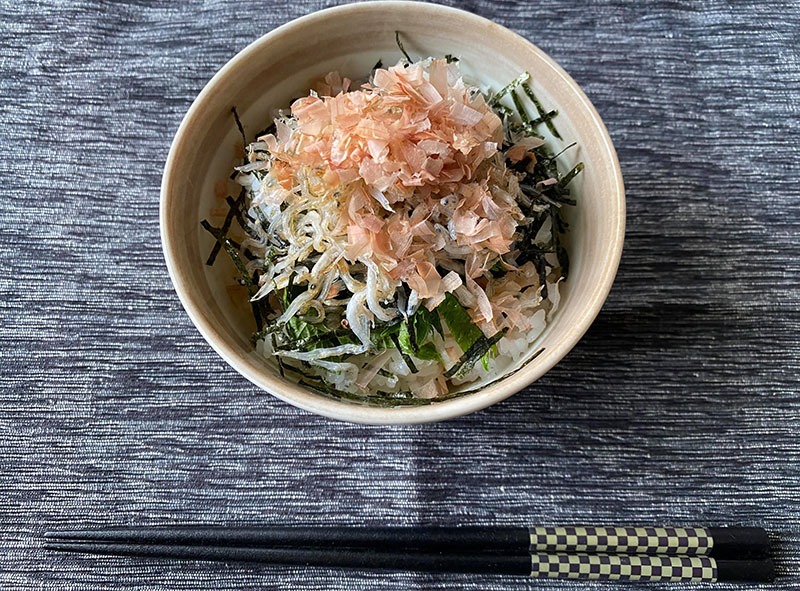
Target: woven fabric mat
x,y
680,405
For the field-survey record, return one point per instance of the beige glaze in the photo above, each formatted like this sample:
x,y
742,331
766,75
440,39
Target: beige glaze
x,y
280,66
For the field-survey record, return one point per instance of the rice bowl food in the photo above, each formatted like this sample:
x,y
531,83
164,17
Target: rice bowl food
x,y
401,236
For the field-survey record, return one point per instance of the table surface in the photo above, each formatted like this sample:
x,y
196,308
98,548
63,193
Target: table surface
x,y
679,406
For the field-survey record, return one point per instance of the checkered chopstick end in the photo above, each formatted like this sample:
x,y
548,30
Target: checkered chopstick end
x,y
623,568
669,541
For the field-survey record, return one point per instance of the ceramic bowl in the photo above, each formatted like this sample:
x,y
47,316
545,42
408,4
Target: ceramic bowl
x,y
281,66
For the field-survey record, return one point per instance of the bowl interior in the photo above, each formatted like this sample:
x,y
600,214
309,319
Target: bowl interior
x,y
282,66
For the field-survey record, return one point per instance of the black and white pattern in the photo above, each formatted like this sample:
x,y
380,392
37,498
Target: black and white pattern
x,y
620,567
688,541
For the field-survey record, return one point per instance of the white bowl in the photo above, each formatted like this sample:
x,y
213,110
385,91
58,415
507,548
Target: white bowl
x,y
280,66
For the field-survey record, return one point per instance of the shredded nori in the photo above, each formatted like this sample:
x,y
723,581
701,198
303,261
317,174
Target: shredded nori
x,y
223,231
523,114
539,109
225,242
406,357
569,176
237,206
495,99
241,131
400,45
529,128
471,356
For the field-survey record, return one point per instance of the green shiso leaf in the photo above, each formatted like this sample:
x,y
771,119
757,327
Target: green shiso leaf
x,y
464,331
409,346
458,321
425,321
428,352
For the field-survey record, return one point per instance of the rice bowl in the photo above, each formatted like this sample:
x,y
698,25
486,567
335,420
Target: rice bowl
x,y
206,294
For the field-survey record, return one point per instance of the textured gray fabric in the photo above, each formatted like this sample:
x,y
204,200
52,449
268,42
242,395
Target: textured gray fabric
x,y
680,406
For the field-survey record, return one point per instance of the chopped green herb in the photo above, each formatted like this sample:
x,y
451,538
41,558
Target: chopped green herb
x,y
458,321
409,346
464,331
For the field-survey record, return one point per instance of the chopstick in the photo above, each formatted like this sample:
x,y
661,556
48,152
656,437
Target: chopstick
x,y
720,542
555,565
602,553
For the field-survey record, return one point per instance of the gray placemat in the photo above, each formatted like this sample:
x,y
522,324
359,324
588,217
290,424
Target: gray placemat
x,y
680,406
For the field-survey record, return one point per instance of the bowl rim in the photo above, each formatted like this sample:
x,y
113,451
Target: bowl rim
x,y
307,400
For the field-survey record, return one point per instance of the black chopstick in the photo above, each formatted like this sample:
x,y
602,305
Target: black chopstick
x,y
555,565
720,542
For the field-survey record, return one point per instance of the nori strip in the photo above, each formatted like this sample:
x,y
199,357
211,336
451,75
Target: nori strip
x,y
237,206
539,109
400,45
281,364
471,356
241,131
495,99
226,225
530,126
406,358
559,227
554,156
541,270
569,176
523,115
225,242
412,336
534,193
